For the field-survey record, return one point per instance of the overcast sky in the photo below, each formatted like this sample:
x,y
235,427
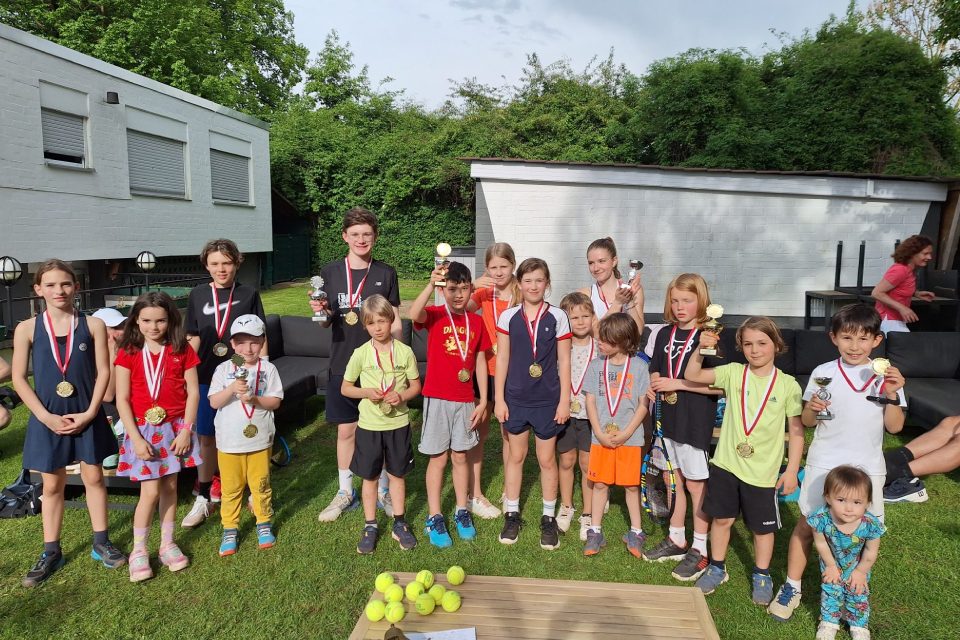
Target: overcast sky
x,y
422,45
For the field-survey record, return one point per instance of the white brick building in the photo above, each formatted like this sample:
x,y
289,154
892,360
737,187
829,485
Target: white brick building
x,y
759,238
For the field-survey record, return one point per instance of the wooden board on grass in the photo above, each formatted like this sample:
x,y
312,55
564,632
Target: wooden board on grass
x,y
531,609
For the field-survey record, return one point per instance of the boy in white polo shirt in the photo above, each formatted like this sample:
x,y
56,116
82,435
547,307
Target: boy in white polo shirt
x,y
865,397
245,391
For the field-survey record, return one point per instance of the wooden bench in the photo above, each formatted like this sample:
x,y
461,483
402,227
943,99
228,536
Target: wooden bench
x,y
530,608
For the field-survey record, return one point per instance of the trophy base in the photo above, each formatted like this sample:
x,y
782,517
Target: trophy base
x,y
440,283
320,318
824,416
708,352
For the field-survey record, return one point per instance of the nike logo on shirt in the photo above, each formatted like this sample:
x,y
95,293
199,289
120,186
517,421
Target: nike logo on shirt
x,y
208,309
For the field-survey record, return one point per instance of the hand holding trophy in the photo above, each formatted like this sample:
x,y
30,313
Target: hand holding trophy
x,y
440,260
714,312
635,266
320,296
824,395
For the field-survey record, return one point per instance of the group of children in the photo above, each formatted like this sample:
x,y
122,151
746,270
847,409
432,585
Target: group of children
x,y
574,375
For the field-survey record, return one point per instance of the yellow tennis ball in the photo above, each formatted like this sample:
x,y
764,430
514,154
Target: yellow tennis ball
x,y
414,589
456,575
375,610
437,592
395,611
394,593
425,604
451,601
383,581
425,578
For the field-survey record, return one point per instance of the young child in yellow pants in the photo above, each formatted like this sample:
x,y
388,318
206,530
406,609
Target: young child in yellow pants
x,y
245,397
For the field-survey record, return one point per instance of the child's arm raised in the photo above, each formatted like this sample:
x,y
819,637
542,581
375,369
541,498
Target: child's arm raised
x,y
858,579
662,384
418,311
98,331
695,371
22,343
831,573
893,414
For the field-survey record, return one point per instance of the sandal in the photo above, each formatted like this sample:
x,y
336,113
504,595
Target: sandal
x,y
173,559
139,563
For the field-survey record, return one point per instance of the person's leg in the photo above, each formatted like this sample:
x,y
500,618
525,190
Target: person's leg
x,y
346,443
600,493
436,468
258,481
701,521
142,519
460,461
566,474
720,538
586,485
398,488
52,513
678,515
549,476
96,491
233,479
942,460
936,451
517,446
763,550
475,456
170,554
632,496
369,494
798,553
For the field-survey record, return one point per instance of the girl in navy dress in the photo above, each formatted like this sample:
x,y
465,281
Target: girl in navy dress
x,y
71,369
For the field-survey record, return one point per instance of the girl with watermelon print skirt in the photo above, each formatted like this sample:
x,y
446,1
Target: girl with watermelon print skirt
x,y
157,397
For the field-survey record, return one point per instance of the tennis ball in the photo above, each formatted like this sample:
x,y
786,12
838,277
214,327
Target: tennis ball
x,y
383,581
425,604
414,590
437,592
375,610
451,601
425,578
395,611
456,575
394,593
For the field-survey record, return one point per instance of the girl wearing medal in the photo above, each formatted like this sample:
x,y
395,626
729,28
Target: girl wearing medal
x,y
71,370
609,293
157,398
532,392
746,463
211,309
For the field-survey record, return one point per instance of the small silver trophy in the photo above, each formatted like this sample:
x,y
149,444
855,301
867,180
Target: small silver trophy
x,y
824,395
242,372
635,266
318,294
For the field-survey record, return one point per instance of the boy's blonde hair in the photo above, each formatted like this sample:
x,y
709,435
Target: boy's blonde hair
x,y
691,283
764,325
577,299
377,305
847,478
619,330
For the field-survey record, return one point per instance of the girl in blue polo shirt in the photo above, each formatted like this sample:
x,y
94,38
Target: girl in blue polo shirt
x,y
532,392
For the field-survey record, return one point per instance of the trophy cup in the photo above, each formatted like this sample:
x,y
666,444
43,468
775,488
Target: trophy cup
x,y
318,294
241,373
824,395
440,260
635,266
714,312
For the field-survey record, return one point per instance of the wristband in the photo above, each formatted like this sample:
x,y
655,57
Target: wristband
x,y
182,425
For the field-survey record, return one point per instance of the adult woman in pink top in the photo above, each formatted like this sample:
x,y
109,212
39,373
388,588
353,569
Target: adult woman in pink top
x,y
899,284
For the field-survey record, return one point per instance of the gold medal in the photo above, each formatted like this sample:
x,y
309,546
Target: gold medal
x,y
536,370
611,427
671,397
880,366
64,389
351,318
574,406
155,415
463,375
250,430
744,449
385,408
220,350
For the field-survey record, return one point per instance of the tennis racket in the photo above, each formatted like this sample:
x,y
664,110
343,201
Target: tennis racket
x,y
659,451
281,452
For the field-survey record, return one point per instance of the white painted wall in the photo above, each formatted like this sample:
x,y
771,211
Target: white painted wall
x,y
760,240
50,211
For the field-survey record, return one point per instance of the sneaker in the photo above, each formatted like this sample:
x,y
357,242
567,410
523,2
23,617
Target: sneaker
x,y
859,633
565,517
827,630
712,578
172,558
385,502
265,537
585,522
511,527
691,566
634,542
762,592
228,543
108,555
216,489
783,605
464,522
657,501
368,540
436,530
549,533
199,512
403,535
905,490
43,569
140,569
666,551
482,508
595,542
341,502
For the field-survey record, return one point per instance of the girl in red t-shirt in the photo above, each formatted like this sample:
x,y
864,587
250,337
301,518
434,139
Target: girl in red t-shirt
x,y
899,284
157,397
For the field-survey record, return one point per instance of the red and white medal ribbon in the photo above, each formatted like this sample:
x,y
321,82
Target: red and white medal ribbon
x,y
153,372
64,362
603,298
671,373
533,327
614,405
353,298
865,386
256,382
462,347
221,322
384,387
583,376
747,430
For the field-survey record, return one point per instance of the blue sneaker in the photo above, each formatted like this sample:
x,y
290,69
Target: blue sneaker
x,y
787,600
634,542
712,578
762,592
228,543
265,537
341,502
402,534
464,522
368,540
905,490
108,555
436,529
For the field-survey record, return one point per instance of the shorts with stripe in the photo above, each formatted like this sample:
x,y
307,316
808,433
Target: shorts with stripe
x,y
728,496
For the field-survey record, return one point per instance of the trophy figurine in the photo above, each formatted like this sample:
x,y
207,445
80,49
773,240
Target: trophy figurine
x,y
318,294
440,260
824,395
714,312
635,266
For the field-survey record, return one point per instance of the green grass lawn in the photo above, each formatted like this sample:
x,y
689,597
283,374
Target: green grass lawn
x,y
313,584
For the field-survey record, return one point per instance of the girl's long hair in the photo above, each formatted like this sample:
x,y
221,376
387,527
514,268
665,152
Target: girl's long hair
x,y
132,339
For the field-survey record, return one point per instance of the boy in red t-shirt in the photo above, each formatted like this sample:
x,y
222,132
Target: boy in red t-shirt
x,y
456,347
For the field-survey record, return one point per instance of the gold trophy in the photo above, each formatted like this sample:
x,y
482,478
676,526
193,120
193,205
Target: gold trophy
x,y
824,395
714,312
440,260
318,294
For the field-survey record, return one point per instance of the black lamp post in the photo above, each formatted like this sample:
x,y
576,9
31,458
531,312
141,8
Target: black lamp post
x,y
147,262
10,271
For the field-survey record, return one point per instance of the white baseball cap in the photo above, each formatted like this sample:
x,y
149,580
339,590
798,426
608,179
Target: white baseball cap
x,y
110,316
249,324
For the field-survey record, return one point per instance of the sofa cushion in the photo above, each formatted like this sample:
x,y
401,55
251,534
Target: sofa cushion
x,y
787,361
930,400
274,336
303,337
924,355
296,367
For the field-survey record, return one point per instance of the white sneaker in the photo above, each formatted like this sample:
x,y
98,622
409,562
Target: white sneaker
x,y
585,523
201,510
827,630
385,502
341,502
859,633
565,517
482,508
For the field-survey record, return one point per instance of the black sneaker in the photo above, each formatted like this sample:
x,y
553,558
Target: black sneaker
x,y
691,566
43,569
905,490
403,535
108,555
368,540
511,527
665,551
549,533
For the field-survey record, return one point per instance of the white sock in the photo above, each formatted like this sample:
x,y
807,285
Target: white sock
x,y
511,505
460,508
678,535
794,583
384,481
637,530
700,543
595,528
346,479
550,507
